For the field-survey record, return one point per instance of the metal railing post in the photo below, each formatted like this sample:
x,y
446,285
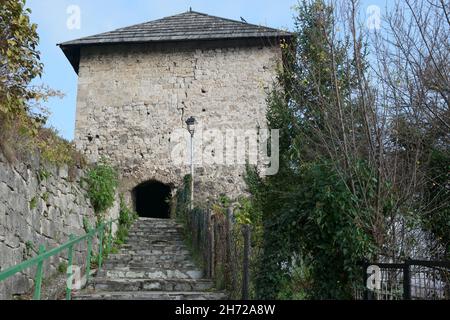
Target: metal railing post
x,y
38,278
108,247
45,254
365,293
246,262
212,238
100,247
230,274
89,252
69,281
407,280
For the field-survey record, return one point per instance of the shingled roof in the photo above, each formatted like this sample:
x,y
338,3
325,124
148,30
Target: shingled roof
x,y
187,26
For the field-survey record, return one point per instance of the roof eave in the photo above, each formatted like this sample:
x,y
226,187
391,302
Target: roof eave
x,y
71,49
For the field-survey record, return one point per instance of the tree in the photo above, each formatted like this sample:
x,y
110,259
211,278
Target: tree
x,y
22,113
413,75
319,206
19,57
364,150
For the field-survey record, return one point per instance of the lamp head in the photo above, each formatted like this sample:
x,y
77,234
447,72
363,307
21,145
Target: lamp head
x,y
191,125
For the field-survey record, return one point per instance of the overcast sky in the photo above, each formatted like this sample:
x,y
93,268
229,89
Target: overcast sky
x,y
106,15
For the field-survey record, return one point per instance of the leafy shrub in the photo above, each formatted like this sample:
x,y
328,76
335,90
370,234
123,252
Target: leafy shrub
x,y
62,267
102,182
126,219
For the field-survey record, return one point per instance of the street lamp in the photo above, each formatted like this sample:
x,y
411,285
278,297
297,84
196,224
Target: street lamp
x,y
191,128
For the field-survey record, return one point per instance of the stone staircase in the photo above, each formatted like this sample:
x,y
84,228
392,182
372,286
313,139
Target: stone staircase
x,y
154,264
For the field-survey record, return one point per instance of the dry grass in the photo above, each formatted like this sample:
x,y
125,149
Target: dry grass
x,y
20,138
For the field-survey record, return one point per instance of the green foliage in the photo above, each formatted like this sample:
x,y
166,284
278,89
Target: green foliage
x,y
320,220
19,57
102,182
331,231
221,206
127,216
45,196
33,203
246,213
126,219
86,226
308,212
183,200
437,192
56,150
62,268
298,284
29,248
43,174
22,113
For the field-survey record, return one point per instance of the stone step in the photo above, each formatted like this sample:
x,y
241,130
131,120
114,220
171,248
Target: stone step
x,y
137,266
157,223
150,258
152,273
123,284
158,232
143,268
155,249
149,295
155,231
155,242
142,251
154,264
156,228
168,264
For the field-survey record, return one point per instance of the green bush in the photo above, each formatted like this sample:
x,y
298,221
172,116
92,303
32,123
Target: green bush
x,y
126,219
102,182
62,267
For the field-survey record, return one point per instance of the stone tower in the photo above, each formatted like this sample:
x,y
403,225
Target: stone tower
x,y
137,86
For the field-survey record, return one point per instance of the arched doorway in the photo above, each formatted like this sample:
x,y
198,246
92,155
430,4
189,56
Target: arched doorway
x,y
151,200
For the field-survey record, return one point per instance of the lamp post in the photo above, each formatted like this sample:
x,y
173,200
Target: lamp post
x,y
191,128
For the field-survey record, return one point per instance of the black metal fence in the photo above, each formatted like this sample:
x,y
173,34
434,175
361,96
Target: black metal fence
x,y
410,280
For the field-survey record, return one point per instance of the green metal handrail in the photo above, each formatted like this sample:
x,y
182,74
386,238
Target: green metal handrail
x,y
44,255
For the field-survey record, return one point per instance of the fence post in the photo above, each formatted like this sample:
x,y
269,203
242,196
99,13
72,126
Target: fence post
x,y
69,281
245,275
229,263
407,280
88,258
38,278
108,248
366,295
100,247
212,244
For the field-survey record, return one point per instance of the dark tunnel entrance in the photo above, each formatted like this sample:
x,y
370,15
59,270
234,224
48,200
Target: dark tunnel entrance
x,y
151,200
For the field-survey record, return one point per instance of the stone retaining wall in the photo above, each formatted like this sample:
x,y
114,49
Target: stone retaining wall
x,y
40,205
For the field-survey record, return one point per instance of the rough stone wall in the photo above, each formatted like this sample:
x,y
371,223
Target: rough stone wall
x,y
40,205
132,98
